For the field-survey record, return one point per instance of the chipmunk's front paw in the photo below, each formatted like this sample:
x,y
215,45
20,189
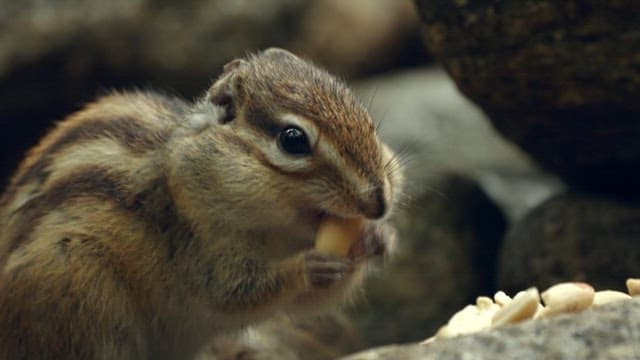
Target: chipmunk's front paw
x,y
326,270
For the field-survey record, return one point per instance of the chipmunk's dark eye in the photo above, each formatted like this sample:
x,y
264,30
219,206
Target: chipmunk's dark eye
x,y
294,141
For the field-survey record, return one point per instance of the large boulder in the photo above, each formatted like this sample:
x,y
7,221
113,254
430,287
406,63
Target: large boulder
x,y
559,78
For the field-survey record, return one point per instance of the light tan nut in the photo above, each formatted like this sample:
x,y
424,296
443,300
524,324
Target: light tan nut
x,y
471,318
567,297
561,298
336,235
484,303
609,296
468,320
444,332
633,285
523,307
539,312
429,340
501,298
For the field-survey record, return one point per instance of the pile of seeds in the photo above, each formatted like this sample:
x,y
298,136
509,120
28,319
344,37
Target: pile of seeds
x,y
530,304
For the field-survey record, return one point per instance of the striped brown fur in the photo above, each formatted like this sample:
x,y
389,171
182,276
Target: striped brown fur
x,y
96,183
127,131
142,225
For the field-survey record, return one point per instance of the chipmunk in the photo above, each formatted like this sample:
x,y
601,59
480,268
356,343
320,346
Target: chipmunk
x,y
143,225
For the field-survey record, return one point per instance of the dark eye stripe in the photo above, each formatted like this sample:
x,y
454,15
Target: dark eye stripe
x,y
261,121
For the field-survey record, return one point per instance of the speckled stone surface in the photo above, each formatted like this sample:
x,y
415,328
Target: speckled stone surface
x,y
609,332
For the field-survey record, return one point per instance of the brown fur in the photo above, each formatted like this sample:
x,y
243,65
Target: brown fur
x,y
142,226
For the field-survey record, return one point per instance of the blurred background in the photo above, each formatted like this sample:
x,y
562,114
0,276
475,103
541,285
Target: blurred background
x,y
517,123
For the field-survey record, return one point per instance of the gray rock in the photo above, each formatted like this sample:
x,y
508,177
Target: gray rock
x,y
572,238
423,114
608,332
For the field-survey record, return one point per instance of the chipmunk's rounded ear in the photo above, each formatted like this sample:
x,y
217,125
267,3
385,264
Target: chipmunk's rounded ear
x,y
279,55
223,90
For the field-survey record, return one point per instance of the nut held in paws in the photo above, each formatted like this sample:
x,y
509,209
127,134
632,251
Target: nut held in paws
x,y
336,235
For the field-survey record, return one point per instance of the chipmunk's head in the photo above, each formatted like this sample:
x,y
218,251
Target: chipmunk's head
x,y
295,141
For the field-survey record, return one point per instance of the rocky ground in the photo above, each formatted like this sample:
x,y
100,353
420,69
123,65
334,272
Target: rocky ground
x,y
609,332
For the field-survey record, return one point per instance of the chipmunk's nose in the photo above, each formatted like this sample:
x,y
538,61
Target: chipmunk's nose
x,y
374,203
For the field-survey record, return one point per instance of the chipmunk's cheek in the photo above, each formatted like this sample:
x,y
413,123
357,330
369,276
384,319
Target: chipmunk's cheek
x,y
311,218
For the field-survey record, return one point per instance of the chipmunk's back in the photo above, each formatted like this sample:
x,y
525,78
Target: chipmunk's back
x,y
76,220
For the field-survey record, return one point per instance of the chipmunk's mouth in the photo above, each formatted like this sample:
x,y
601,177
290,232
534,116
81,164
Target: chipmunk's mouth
x,y
370,241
